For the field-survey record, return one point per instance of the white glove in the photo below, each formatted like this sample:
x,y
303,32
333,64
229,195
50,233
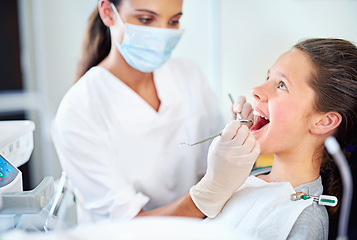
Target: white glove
x,y
244,109
231,157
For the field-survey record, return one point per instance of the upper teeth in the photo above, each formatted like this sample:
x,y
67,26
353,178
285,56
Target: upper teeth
x,y
259,114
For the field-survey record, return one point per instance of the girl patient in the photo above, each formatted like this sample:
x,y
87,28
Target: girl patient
x,y
309,95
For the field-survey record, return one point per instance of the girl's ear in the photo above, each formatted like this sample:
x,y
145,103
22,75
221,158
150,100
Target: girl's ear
x,y
106,12
326,123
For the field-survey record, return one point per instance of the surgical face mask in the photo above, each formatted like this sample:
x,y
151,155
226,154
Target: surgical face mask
x,y
146,48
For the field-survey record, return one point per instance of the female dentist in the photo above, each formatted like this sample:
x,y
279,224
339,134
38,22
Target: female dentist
x,y
117,130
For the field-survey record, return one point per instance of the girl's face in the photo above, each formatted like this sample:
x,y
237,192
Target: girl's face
x,y
153,13
283,104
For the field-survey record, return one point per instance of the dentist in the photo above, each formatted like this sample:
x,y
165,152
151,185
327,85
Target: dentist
x,y
118,128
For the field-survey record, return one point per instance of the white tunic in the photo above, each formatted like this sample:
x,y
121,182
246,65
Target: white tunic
x,y
120,154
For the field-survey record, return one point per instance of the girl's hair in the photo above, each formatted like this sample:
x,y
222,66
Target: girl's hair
x,y
96,43
335,83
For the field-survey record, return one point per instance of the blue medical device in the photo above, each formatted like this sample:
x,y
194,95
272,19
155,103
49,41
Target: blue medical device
x,y
9,174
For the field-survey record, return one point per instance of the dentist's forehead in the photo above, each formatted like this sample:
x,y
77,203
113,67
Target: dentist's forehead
x,y
160,7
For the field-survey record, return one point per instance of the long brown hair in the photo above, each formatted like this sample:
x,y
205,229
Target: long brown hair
x,y
335,85
96,43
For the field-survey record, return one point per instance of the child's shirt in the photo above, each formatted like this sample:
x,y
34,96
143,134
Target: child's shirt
x,y
265,211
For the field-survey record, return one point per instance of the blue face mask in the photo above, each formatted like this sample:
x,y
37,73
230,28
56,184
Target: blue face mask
x,y
146,48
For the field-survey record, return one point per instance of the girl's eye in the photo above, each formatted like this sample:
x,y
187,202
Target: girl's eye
x,y
282,86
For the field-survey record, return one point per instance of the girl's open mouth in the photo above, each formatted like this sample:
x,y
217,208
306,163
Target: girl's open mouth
x,y
259,121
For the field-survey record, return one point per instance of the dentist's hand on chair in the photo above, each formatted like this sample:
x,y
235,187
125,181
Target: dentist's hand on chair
x,y
231,157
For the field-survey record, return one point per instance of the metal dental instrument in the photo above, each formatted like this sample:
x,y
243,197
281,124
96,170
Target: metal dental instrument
x,y
239,117
204,140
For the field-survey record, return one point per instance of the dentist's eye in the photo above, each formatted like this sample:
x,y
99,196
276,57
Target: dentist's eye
x,y
282,86
146,20
174,23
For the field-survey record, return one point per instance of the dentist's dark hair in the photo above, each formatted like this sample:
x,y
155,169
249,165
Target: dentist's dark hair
x,y
96,43
335,83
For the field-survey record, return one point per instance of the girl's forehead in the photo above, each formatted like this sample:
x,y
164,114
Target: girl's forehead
x,y
295,65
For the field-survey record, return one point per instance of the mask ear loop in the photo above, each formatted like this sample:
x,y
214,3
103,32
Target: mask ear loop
x,y
117,14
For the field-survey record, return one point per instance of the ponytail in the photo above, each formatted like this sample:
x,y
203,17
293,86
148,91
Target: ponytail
x,y
96,43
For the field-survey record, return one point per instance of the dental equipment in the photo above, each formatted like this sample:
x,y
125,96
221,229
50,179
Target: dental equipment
x,y
335,151
209,138
58,198
325,200
16,146
238,117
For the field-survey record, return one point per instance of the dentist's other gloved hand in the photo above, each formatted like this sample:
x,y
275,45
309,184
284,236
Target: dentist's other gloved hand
x,y
231,157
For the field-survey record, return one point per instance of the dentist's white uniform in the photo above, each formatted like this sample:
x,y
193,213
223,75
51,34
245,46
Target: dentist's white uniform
x,y
120,154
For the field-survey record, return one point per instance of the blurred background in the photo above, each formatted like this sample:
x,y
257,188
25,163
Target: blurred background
x,y
234,41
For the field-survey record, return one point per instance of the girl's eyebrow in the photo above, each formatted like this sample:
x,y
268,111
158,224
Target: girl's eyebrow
x,y
285,77
280,74
268,72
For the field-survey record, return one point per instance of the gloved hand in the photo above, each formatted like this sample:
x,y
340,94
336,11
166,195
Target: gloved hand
x,y
231,157
245,109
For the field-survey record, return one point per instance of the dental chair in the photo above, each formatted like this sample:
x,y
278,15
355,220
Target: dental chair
x,y
352,224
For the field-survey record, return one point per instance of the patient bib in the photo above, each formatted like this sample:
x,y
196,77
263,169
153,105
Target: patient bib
x,y
262,210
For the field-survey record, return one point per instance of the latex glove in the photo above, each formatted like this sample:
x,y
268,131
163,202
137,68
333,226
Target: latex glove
x,y
231,157
245,109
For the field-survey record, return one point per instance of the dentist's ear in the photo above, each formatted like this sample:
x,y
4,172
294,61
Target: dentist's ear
x,y
326,123
106,12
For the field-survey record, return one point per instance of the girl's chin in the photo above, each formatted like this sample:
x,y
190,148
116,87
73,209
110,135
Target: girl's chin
x,y
262,143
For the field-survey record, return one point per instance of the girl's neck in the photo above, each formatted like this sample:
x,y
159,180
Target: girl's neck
x,y
297,170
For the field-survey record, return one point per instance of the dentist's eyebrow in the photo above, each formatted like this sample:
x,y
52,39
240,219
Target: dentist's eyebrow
x,y
176,15
154,13
147,11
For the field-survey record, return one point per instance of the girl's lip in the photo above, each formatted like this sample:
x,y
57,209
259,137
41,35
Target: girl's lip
x,y
258,130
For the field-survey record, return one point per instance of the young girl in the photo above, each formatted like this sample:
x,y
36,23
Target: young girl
x,y
309,95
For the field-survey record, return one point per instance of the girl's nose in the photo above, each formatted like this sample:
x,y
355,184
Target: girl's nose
x,y
258,94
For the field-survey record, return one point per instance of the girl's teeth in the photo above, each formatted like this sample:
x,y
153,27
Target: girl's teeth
x,y
258,114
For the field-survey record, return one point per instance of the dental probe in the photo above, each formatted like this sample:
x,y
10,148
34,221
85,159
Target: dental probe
x,y
209,138
239,117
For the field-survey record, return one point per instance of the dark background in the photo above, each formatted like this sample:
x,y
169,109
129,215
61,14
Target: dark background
x,y
10,66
